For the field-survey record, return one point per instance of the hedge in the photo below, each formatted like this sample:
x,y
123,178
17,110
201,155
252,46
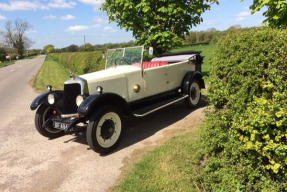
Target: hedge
x,y
81,62
244,136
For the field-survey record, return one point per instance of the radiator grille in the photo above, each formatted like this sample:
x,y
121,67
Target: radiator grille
x,y
71,91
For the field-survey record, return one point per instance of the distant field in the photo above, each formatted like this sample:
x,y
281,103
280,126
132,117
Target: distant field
x,y
207,51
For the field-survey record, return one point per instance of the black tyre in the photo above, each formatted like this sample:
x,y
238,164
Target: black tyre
x,y
105,129
194,94
43,114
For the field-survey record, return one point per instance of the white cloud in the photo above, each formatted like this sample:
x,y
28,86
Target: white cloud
x,y
21,5
25,5
109,29
2,17
67,17
50,17
210,22
95,3
100,20
242,16
77,28
61,4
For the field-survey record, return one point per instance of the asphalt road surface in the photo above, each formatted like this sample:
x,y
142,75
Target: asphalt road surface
x,y
30,162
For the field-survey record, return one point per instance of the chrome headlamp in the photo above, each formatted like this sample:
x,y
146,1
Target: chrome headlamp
x,y
79,100
51,99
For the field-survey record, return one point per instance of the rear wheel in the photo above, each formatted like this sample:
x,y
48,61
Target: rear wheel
x,y
44,123
105,129
194,94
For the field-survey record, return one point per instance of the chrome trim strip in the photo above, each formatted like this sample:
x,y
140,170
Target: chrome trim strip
x,y
69,115
156,109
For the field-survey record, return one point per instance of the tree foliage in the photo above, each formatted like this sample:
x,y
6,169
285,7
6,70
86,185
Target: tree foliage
x,y
276,14
245,133
86,47
49,49
14,35
157,23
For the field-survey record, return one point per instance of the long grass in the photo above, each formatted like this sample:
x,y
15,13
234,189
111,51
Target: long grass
x,y
167,168
51,73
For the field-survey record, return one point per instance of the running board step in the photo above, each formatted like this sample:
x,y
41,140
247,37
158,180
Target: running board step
x,y
160,105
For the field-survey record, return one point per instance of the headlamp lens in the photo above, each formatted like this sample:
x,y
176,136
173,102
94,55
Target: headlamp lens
x,y
51,99
79,100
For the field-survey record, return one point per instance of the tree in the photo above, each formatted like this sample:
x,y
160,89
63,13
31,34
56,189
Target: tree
x,y
276,14
49,49
72,48
87,47
157,23
233,27
14,36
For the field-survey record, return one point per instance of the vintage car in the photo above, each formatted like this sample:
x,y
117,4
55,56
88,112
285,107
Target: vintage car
x,y
101,102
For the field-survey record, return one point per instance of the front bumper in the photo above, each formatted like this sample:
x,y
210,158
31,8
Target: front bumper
x,y
69,123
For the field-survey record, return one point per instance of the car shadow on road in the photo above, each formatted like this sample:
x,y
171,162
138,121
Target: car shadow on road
x,y
139,129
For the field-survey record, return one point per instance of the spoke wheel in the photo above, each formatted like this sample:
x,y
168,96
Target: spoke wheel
x,y
105,129
194,94
44,124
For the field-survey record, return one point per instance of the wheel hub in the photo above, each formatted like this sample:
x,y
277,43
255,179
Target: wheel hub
x,y
107,129
193,93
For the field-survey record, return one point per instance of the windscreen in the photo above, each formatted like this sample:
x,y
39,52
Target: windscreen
x,y
124,56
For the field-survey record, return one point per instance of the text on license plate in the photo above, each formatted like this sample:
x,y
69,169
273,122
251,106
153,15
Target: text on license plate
x,y
59,125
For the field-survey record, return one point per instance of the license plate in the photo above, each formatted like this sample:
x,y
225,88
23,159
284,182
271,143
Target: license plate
x,y
59,125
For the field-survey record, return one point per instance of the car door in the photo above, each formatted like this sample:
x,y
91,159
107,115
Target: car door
x,y
176,72
155,80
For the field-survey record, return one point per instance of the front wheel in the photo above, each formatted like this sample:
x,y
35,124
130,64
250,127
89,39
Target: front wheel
x,y
105,129
194,94
44,123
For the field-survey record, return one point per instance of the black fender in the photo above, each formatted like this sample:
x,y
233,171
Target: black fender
x,y
42,98
189,76
88,106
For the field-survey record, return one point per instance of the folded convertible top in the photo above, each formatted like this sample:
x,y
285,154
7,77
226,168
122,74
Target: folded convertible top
x,y
179,56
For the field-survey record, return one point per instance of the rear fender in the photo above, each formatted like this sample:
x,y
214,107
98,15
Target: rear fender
x,y
91,103
188,78
42,98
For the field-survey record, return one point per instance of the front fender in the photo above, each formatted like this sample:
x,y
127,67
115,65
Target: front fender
x,y
42,99
88,106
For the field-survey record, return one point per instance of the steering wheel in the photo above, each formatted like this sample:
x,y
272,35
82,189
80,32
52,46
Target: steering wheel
x,y
121,61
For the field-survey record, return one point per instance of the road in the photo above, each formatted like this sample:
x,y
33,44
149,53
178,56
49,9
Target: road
x,y
31,162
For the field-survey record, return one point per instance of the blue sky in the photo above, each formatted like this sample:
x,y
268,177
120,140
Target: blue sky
x,y
66,22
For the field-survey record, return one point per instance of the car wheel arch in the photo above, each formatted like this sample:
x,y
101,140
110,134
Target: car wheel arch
x,y
42,98
188,78
98,100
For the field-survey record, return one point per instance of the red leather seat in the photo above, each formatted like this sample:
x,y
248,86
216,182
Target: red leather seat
x,y
150,64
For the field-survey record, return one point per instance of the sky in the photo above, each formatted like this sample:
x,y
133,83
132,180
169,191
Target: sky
x,y
66,22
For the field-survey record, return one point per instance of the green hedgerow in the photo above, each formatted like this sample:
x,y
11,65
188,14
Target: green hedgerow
x,y
244,137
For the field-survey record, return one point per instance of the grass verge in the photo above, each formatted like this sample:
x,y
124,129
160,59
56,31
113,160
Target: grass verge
x,y
51,73
6,63
167,168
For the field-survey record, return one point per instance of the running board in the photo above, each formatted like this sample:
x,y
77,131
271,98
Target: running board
x,y
155,107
